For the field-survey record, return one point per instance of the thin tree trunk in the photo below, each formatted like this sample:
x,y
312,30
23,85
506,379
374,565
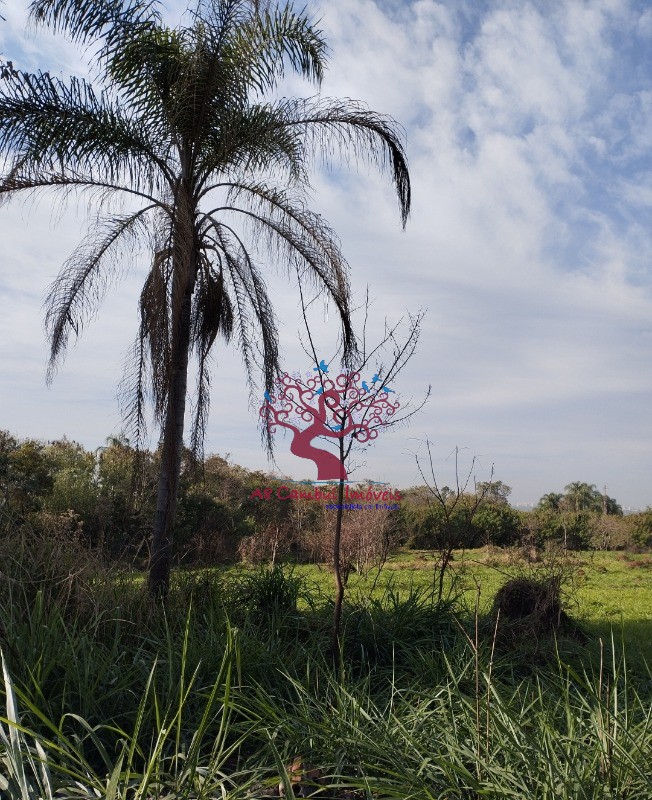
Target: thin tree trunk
x,y
185,269
169,473
336,644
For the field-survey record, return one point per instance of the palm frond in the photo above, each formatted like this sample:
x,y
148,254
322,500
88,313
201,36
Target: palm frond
x,y
80,286
86,21
250,294
305,242
264,41
245,141
212,311
20,179
212,314
289,207
155,326
133,392
350,128
47,125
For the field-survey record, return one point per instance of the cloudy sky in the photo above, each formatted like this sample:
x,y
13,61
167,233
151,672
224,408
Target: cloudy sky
x,y
529,132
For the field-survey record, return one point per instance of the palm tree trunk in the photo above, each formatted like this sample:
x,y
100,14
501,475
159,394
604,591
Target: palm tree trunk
x,y
170,469
185,267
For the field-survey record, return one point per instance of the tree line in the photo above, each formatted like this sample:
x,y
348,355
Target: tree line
x,y
105,499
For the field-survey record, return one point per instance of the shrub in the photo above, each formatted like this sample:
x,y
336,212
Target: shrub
x,y
497,524
269,591
642,529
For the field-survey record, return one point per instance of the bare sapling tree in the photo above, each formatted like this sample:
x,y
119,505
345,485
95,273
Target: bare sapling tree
x,y
456,508
350,411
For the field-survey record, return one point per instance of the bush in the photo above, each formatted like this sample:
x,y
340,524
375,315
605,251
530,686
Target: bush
x,y
497,524
642,529
270,591
47,556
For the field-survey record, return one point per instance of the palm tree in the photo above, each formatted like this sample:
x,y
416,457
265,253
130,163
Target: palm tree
x,y
582,497
181,126
551,501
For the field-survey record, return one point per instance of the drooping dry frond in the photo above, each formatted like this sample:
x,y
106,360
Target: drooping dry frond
x,y
251,304
212,314
133,392
155,312
300,239
350,128
80,286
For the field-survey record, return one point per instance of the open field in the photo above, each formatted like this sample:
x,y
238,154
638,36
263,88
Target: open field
x,y
229,692
608,592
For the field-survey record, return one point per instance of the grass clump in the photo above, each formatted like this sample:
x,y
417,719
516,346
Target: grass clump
x,y
530,609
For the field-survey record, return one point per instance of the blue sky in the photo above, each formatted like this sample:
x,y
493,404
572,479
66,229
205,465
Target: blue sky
x,y
529,133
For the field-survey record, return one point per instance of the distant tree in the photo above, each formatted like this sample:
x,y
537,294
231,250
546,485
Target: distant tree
x,y
8,445
126,482
497,523
551,502
582,497
26,478
611,532
642,529
611,506
494,491
74,487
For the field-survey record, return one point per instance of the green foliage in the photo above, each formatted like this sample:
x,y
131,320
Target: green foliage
x,y
497,524
391,625
270,591
570,529
495,492
582,530
106,499
431,525
642,529
465,523
25,475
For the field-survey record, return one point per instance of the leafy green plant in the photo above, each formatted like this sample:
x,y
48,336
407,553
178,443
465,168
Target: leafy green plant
x,y
270,590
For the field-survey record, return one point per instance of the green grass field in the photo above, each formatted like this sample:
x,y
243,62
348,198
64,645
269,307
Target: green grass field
x,y
608,592
220,693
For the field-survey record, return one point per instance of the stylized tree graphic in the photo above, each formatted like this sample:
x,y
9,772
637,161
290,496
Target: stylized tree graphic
x,y
333,409
345,411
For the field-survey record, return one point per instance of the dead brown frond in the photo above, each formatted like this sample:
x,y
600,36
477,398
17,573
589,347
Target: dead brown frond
x,y
75,295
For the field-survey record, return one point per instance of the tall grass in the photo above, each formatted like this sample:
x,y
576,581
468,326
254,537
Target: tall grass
x,y
561,735
228,692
